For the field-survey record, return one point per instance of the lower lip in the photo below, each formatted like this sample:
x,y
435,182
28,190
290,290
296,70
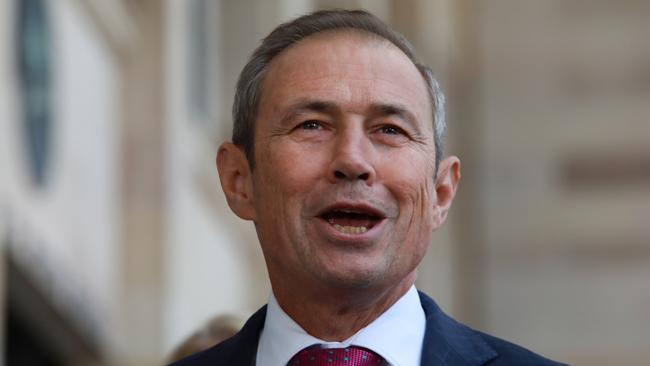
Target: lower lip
x,y
331,231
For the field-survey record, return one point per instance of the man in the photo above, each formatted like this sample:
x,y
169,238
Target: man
x,y
337,159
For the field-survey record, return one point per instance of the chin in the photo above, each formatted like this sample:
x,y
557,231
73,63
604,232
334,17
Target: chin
x,y
356,278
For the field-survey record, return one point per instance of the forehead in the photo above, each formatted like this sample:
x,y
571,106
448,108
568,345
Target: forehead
x,y
351,69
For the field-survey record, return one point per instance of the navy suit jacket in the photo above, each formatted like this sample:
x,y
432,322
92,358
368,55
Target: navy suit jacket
x,y
446,343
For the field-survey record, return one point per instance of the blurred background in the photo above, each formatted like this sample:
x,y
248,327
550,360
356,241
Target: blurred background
x,y
113,224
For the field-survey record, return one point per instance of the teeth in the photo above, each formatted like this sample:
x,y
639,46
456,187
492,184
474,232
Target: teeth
x,y
350,229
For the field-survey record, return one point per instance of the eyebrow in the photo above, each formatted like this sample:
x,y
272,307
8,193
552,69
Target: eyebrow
x,y
389,109
329,107
306,106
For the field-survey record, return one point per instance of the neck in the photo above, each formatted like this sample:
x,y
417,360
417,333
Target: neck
x,y
337,314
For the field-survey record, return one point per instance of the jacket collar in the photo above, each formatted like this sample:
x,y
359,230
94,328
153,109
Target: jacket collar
x,y
241,349
447,342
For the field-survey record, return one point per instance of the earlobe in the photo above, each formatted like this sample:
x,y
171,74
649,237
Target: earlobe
x,y
446,185
236,180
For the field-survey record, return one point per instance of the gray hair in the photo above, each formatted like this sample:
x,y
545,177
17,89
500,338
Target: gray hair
x,y
247,95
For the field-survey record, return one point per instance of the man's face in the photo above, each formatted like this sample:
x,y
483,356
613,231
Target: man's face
x,y
343,188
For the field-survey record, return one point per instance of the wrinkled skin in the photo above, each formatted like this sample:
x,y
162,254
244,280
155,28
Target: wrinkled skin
x,y
343,118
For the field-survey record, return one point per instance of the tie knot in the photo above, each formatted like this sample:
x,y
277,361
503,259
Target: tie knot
x,y
351,356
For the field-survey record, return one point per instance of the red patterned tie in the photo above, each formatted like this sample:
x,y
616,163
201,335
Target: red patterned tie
x,y
351,356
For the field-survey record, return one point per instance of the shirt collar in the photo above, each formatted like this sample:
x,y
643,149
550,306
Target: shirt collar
x,y
405,322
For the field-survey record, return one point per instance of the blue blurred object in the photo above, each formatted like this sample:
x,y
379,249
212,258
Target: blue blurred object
x,y
33,63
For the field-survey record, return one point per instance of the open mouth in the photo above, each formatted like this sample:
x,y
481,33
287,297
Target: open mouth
x,y
351,220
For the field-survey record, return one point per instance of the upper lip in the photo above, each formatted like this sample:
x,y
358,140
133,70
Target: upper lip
x,y
361,208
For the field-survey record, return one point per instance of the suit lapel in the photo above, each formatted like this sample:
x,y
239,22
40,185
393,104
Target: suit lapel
x,y
241,349
447,342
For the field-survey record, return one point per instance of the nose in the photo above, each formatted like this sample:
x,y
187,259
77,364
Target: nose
x,y
352,158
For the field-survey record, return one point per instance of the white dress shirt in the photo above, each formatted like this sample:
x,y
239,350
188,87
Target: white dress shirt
x,y
396,335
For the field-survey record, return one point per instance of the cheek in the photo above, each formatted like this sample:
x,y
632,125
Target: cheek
x,y
413,186
295,166
278,167
412,172
286,174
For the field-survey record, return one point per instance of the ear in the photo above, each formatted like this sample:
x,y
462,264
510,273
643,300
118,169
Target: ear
x,y
446,185
236,180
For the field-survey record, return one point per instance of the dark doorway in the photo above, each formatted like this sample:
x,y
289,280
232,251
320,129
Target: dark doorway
x,y
35,332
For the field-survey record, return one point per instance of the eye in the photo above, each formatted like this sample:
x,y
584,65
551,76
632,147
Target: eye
x,y
391,135
391,130
311,130
310,125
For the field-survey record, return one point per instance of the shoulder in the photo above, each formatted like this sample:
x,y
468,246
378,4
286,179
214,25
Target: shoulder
x,y
228,352
512,354
448,342
240,349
